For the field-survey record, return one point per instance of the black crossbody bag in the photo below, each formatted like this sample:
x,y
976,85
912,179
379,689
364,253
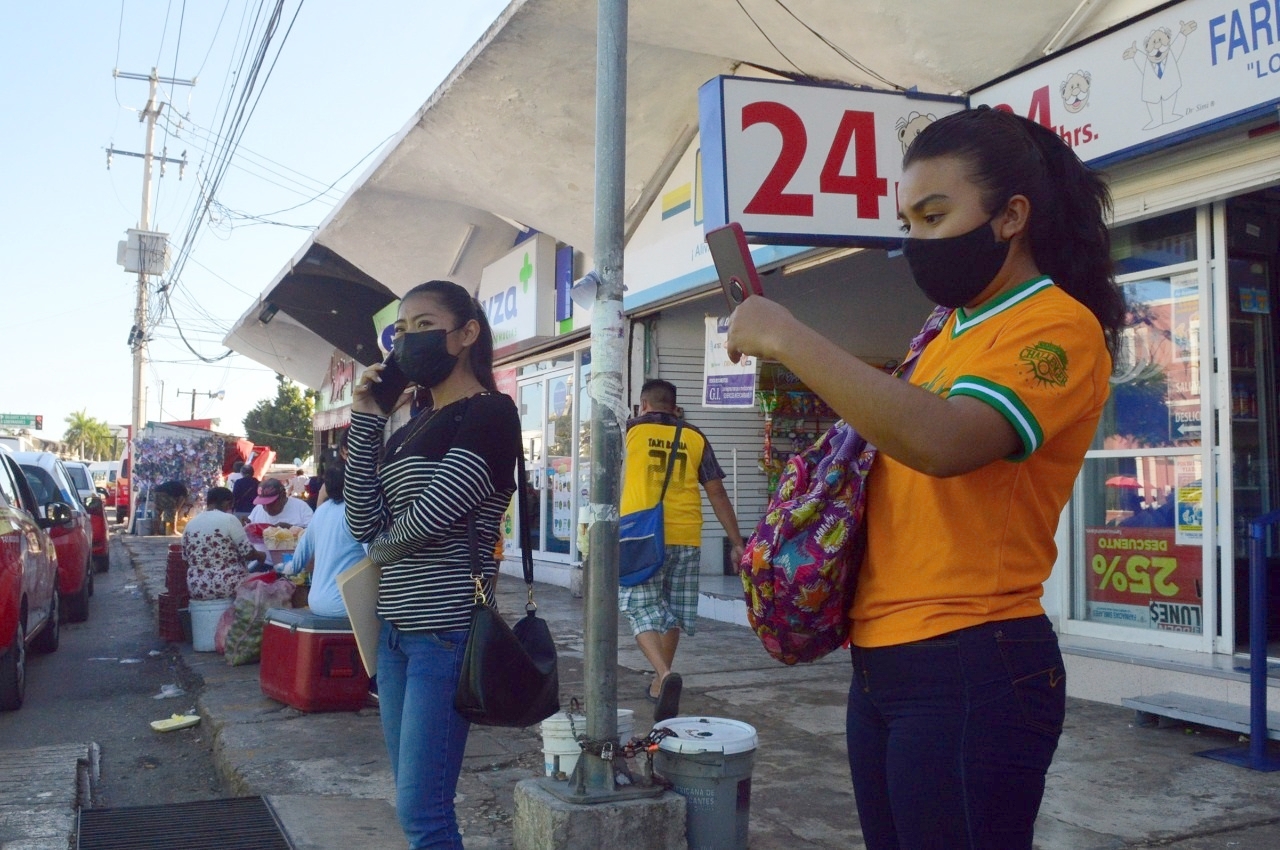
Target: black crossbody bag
x,y
509,675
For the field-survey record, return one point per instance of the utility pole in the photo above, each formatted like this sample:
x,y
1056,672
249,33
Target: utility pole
x,y
138,336
608,410
193,393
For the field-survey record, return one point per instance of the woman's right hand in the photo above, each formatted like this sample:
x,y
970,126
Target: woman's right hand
x,y
362,396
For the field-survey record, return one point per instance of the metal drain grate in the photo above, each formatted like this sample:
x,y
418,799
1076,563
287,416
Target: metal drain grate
x,y
240,823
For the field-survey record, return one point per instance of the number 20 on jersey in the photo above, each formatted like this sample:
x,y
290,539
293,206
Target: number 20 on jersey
x,y
804,164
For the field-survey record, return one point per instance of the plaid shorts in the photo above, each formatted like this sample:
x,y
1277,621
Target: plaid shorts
x,y
668,600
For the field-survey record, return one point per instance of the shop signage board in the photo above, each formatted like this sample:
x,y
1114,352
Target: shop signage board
x,y
667,255
725,384
384,325
1143,578
1166,77
518,293
806,164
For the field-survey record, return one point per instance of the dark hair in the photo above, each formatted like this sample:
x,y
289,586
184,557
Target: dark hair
x,y
237,466
217,496
1009,155
659,393
334,478
463,307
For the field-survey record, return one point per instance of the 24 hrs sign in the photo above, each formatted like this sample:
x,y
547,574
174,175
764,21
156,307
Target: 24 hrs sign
x,y
803,164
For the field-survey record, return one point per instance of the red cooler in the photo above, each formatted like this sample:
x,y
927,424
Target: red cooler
x,y
311,663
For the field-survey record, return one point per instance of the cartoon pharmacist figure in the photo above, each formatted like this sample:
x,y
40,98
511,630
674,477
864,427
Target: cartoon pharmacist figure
x,y
1158,64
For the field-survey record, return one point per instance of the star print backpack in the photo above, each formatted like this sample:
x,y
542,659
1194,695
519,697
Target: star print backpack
x,y
801,565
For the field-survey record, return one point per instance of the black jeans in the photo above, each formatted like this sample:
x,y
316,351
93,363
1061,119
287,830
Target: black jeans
x,y
950,738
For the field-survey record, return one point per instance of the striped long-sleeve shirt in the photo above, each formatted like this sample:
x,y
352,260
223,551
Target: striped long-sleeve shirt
x,y
410,503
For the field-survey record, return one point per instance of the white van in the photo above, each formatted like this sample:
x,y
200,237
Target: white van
x,y
104,472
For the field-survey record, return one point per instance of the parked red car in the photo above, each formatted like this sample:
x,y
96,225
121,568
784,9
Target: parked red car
x,y
29,615
93,503
69,525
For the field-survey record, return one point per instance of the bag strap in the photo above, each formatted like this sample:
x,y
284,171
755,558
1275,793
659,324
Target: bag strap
x,y
932,326
671,461
526,536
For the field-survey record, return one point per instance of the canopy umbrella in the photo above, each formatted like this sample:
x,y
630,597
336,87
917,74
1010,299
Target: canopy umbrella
x,y
1123,481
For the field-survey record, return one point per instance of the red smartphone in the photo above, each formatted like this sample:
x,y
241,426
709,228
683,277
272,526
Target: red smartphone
x,y
392,385
737,271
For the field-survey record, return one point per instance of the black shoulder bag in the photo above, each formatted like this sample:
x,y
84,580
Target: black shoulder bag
x,y
509,675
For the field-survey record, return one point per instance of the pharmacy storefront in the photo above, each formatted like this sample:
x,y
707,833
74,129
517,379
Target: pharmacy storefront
x,y
543,361
1179,109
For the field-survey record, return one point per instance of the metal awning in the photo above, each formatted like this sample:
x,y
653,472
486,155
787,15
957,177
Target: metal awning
x,y
507,140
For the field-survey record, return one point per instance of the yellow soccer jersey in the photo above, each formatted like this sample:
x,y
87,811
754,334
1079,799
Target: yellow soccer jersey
x,y
648,447
949,553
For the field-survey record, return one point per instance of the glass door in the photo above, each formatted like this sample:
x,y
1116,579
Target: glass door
x,y
532,437
551,432
1139,519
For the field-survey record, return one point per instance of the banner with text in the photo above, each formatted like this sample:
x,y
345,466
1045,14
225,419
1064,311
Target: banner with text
x,y
805,164
725,383
1178,72
1142,578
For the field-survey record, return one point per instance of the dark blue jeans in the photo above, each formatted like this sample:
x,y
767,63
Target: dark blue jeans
x,y
417,676
950,738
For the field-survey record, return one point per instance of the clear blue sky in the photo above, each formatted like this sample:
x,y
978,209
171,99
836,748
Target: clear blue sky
x,y
349,75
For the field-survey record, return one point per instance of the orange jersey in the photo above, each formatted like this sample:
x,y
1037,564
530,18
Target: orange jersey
x,y
949,553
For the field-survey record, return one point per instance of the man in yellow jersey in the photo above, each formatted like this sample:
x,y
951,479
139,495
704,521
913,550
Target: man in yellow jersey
x,y
668,602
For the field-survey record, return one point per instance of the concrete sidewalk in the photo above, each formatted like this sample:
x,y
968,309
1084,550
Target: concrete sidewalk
x,y
1112,784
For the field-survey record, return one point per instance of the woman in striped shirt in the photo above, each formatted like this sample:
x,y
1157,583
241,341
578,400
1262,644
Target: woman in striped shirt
x,y
410,502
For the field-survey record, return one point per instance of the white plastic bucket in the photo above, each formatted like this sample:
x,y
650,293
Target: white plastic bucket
x,y
708,762
559,748
205,614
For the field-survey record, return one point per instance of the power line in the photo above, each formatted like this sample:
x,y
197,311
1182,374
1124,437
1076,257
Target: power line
x,y
771,42
850,59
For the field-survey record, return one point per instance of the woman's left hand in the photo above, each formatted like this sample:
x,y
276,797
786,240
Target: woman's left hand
x,y
757,328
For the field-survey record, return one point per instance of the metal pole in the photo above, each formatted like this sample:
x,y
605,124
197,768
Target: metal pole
x,y
140,311
608,412
1257,644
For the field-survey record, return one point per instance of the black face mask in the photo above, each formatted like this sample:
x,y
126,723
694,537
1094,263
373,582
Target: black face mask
x,y
424,356
953,271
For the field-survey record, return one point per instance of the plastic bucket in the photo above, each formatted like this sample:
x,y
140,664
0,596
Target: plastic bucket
x,y
560,750
205,614
708,762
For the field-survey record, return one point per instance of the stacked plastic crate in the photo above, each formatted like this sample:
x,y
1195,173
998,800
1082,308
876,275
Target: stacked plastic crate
x,y
174,599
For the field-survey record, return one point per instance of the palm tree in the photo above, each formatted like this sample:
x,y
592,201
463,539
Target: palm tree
x,y
89,436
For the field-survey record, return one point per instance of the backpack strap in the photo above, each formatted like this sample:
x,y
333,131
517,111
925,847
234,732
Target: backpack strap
x,y
671,460
932,326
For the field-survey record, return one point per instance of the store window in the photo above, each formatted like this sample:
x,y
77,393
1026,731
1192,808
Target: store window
x,y
1138,509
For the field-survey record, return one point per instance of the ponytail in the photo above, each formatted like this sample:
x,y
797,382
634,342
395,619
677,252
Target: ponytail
x,y
1009,155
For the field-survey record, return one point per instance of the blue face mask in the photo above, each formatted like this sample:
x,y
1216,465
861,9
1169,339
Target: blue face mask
x,y
424,356
954,270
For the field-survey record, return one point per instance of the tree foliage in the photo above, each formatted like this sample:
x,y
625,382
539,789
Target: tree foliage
x,y
89,438
284,423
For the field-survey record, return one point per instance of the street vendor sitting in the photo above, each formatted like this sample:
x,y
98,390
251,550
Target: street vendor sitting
x,y
217,549
273,507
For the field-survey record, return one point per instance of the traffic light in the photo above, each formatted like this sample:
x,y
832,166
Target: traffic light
x,y
39,423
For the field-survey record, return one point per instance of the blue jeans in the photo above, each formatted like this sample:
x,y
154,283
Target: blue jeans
x,y
950,738
417,676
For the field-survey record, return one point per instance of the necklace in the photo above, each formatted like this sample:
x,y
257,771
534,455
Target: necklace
x,y
415,428
418,425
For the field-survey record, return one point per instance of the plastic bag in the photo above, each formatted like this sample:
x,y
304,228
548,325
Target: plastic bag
x,y
254,596
220,631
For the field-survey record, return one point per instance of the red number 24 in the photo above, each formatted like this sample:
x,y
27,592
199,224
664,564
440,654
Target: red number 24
x,y
865,184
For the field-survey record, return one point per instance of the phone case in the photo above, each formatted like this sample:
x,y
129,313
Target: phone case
x,y
736,269
393,383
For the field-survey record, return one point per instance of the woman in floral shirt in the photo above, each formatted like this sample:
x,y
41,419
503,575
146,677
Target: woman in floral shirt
x,y
217,549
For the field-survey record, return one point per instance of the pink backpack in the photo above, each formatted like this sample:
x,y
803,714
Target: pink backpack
x,y
801,564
